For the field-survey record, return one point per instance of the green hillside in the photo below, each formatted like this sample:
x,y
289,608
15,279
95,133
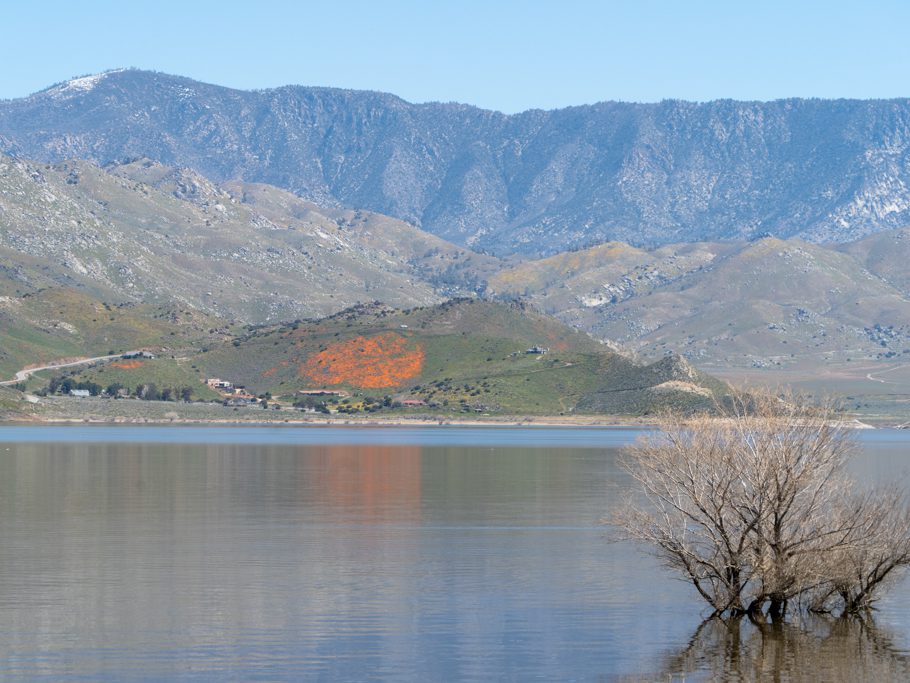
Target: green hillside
x,y
172,374
11,404
55,323
461,356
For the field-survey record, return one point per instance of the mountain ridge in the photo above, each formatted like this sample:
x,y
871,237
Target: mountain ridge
x,y
95,76
537,182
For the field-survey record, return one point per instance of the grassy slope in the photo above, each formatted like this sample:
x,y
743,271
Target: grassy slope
x,y
473,352
56,323
11,404
163,372
598,262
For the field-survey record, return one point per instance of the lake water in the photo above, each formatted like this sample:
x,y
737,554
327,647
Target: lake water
x,y
431,554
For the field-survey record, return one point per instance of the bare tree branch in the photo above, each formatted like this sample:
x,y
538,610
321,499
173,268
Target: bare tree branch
x,y
752,506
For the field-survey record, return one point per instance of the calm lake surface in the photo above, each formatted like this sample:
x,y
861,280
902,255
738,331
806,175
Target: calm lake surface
x,y
431,554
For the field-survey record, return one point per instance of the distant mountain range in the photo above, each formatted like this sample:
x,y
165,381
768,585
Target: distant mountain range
x,y
535,183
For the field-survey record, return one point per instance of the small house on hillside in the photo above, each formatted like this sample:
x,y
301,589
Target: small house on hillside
x,y
81,393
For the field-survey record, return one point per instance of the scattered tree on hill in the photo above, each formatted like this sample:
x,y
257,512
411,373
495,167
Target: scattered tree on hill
x,y
305,403
148,392
754,508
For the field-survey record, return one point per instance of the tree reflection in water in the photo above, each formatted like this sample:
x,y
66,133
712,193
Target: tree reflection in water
x,y
814,649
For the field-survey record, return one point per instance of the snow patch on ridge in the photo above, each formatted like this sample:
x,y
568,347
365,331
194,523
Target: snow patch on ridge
x,y
82,84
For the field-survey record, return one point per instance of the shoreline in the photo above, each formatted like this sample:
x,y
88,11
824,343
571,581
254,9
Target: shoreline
x,y
605,422
82,411
611,421
62,410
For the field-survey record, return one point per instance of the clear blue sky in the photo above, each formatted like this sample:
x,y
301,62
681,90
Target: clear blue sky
x,y
507,55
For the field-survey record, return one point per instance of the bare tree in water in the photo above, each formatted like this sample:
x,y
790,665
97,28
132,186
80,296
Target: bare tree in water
x,y
808,649
753,507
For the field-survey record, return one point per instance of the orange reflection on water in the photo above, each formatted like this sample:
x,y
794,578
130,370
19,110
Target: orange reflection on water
x,y
372,483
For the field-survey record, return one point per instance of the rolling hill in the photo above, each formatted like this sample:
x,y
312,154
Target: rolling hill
x,y
770,303
886,255
56,323
464,355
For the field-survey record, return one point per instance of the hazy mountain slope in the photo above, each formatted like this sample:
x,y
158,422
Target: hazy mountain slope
x,y
460,356
608,272
538,182
449,269
767,303
155,234
887,254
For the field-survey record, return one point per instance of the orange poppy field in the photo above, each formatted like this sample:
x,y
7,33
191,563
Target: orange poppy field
x,y
127,364
385,360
